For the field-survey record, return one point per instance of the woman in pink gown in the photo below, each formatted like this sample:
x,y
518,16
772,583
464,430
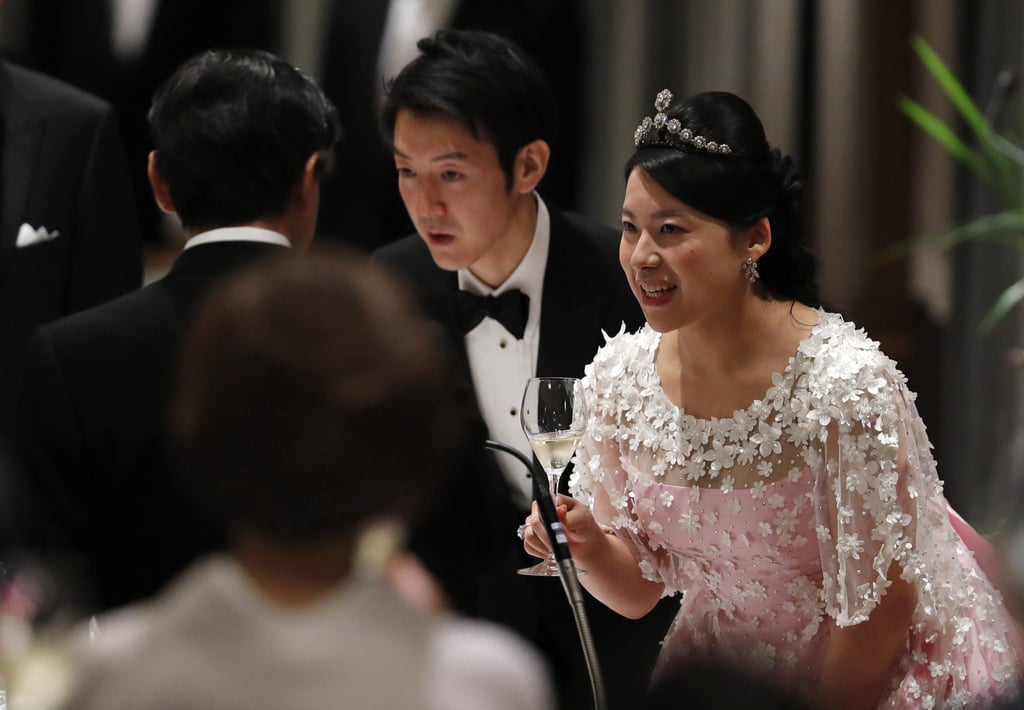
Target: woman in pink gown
x,y
761,456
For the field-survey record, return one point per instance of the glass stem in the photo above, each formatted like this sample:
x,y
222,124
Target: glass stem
x,y
553,478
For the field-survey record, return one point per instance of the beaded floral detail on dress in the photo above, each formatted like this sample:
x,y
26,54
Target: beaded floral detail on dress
x,y
782,521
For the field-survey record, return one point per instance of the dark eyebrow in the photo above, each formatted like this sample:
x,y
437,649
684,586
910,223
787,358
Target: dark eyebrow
x,y
660,214
453,155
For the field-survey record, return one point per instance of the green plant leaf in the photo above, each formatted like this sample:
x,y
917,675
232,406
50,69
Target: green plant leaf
x,y
963,103
1009,298
994,159
1002,228
1000,172
943,134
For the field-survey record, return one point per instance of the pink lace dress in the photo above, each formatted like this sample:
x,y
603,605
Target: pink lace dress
x,y
780,523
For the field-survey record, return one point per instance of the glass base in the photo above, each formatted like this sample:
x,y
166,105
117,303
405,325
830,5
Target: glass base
x,y
545,568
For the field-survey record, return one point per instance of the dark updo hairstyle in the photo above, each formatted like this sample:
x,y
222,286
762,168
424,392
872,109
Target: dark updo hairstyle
x,y
752,181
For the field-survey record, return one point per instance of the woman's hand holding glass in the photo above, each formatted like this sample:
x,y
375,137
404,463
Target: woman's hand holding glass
x,y
581,529
554,417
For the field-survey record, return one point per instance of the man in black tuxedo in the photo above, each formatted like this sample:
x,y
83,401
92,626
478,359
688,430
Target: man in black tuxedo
x,y
240,140
470,120
69,234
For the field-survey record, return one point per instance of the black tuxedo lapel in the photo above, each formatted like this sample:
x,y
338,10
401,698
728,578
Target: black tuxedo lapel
x,y
444,290
22,133
572,309
436,290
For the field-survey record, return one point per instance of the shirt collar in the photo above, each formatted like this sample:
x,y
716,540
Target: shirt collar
x,y
238,234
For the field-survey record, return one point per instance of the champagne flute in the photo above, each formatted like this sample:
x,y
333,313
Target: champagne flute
x,y
554,417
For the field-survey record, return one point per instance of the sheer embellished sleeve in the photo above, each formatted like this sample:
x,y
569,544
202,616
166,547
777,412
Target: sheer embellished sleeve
x,y
878,496
603,478
871,493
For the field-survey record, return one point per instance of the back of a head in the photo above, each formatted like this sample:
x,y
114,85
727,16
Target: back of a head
x,y
312,398
738,184
233,130
484,81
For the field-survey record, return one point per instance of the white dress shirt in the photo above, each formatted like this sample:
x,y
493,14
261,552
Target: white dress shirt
x,y
501,365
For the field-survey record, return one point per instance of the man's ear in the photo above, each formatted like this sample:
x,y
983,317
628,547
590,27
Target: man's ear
x,y
299,221
530,166
308,188
161,193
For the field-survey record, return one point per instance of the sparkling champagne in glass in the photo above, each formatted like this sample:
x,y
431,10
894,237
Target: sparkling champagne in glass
x,y
554,417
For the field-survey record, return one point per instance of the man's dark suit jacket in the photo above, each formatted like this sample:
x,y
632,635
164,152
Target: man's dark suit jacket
x,y
585,293
92,425
73,40
63,169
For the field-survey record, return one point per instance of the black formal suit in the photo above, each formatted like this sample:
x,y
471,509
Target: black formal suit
x,y
92,428
360,203
63,169
584,293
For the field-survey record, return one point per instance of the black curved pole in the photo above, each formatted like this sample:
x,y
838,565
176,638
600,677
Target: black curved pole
x,y
566,568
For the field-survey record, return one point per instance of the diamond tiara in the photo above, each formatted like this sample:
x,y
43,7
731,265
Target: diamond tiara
x,y
669,131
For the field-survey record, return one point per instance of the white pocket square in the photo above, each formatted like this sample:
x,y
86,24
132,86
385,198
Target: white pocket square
x,y
28,236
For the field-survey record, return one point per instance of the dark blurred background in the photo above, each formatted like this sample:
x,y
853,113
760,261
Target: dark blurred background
x,y
825,75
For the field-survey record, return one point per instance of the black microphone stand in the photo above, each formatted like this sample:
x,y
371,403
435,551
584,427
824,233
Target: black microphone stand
x,y
566,568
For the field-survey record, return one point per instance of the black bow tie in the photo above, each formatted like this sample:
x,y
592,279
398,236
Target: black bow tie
x,y
510,309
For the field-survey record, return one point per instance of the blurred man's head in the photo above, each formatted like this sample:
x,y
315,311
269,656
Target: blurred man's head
x,y
312,400
235,134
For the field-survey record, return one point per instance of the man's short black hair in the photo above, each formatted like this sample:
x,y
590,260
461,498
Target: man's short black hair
x,y
232,130
485,82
